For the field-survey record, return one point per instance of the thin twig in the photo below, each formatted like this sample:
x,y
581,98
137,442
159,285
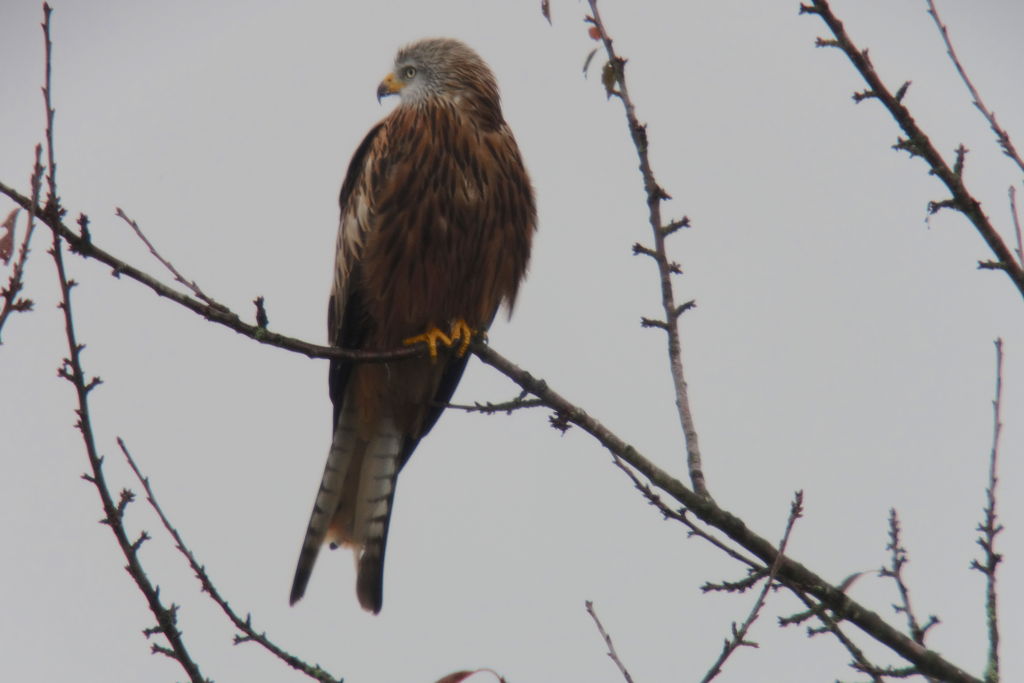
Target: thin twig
x,y
752,578
1016,222
990,528
615,85
243,625
897,559
1001,135
829,625
880,673
608,642
917,143
739,635
13,303
680,516
178,277
520,402
52,200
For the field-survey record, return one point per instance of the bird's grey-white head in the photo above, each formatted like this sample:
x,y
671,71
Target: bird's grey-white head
x,y
437,67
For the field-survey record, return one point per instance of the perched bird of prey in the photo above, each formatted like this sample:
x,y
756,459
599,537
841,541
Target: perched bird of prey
x,y
437,217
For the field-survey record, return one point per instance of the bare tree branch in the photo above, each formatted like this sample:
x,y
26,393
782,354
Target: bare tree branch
x,y
52,201
520,402
243,625
178,277
12,302
1012,191
756,569
990,528
73,371
898,558
82,244
614,78
1001,135
829,625
707,510
917,143
608,642
739,635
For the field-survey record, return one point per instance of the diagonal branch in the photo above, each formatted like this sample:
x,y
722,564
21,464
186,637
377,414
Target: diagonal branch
x,y
829,625
243,625
612,654
917,143
791,571
82,244
178,277
755,568
1001,135
113,514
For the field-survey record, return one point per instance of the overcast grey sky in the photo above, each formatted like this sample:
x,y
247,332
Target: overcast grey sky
x,y
842,344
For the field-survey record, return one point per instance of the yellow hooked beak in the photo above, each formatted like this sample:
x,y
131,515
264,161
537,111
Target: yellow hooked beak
x,y
389,86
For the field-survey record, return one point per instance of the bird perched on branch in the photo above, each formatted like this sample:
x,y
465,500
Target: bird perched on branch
x,y
437,217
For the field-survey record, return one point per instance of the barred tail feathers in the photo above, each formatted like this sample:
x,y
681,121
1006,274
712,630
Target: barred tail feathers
x,y
353,505
373,511
339,459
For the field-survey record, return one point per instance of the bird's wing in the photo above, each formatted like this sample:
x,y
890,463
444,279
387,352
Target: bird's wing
x,y
346,312
479,204
346,328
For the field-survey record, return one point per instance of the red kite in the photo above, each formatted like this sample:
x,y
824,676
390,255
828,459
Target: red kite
x,y
437,217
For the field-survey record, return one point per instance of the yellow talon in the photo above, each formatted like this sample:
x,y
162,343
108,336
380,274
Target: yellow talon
x,y
462,330
431,338
461,333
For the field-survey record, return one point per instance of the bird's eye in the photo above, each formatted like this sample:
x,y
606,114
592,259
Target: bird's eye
x,y
408,72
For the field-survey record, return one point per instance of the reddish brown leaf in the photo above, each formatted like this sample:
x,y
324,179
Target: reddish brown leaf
x,y
460,676
594,32
7,238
